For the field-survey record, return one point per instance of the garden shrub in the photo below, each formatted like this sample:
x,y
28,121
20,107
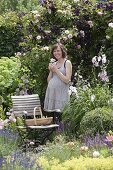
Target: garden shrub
x,y
9,70
82,102
99,120
10,34
37,62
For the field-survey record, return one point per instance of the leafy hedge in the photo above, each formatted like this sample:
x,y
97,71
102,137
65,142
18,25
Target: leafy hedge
x,y
96,121
10,34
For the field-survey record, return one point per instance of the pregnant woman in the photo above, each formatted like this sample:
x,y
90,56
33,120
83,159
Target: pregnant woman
x,y
57,93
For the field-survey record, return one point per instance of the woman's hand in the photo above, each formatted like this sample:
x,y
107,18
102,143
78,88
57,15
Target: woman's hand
x,y
52,67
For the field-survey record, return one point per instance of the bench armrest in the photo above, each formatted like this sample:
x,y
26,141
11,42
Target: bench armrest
x,y
40,110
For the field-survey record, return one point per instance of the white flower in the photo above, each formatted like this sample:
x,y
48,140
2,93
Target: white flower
x,y
67,32
46,48
12,118
94,59
99,58
110,24
70,92
31,143
100,13
84,148
104,59
103,76
18,54
36,15
80,76
90,24
52,60
64,12
47,31
38,37
96,154
60,11
92,97
76,1
96,64
73,90
69,36
8,113
35,12
69,6
82,33
107,37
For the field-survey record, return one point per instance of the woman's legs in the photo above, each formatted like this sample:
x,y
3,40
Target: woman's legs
x,y
57,117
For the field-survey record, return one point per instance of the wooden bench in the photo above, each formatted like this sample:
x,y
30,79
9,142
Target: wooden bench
x,y
28,106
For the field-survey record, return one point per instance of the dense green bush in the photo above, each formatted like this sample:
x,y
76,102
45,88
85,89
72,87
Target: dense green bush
x,y
10,34
99,120
82,102
9,70
15,5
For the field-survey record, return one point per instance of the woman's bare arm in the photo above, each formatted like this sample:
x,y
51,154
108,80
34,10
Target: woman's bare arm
x,y
49,76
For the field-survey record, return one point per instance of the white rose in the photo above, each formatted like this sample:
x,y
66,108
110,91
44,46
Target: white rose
x,y
46,48
52,60
69,36
96,154
110,24
38,37
76,1
92,97
67,32
107,37
104,59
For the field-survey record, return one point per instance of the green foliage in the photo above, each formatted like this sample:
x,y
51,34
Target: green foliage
x,y
83,102
99,121
37,61
9,69
15,5
10,34
9,72
61,149
78,164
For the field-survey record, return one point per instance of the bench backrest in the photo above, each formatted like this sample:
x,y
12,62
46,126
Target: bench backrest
x,y
26,103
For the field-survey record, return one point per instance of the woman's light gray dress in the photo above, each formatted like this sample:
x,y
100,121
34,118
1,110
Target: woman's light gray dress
x,y
57,93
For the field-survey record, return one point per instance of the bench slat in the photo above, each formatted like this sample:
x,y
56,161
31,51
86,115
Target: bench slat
x,y
39,127
26,96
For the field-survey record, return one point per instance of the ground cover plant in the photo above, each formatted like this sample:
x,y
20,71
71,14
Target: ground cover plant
x,y
92,153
